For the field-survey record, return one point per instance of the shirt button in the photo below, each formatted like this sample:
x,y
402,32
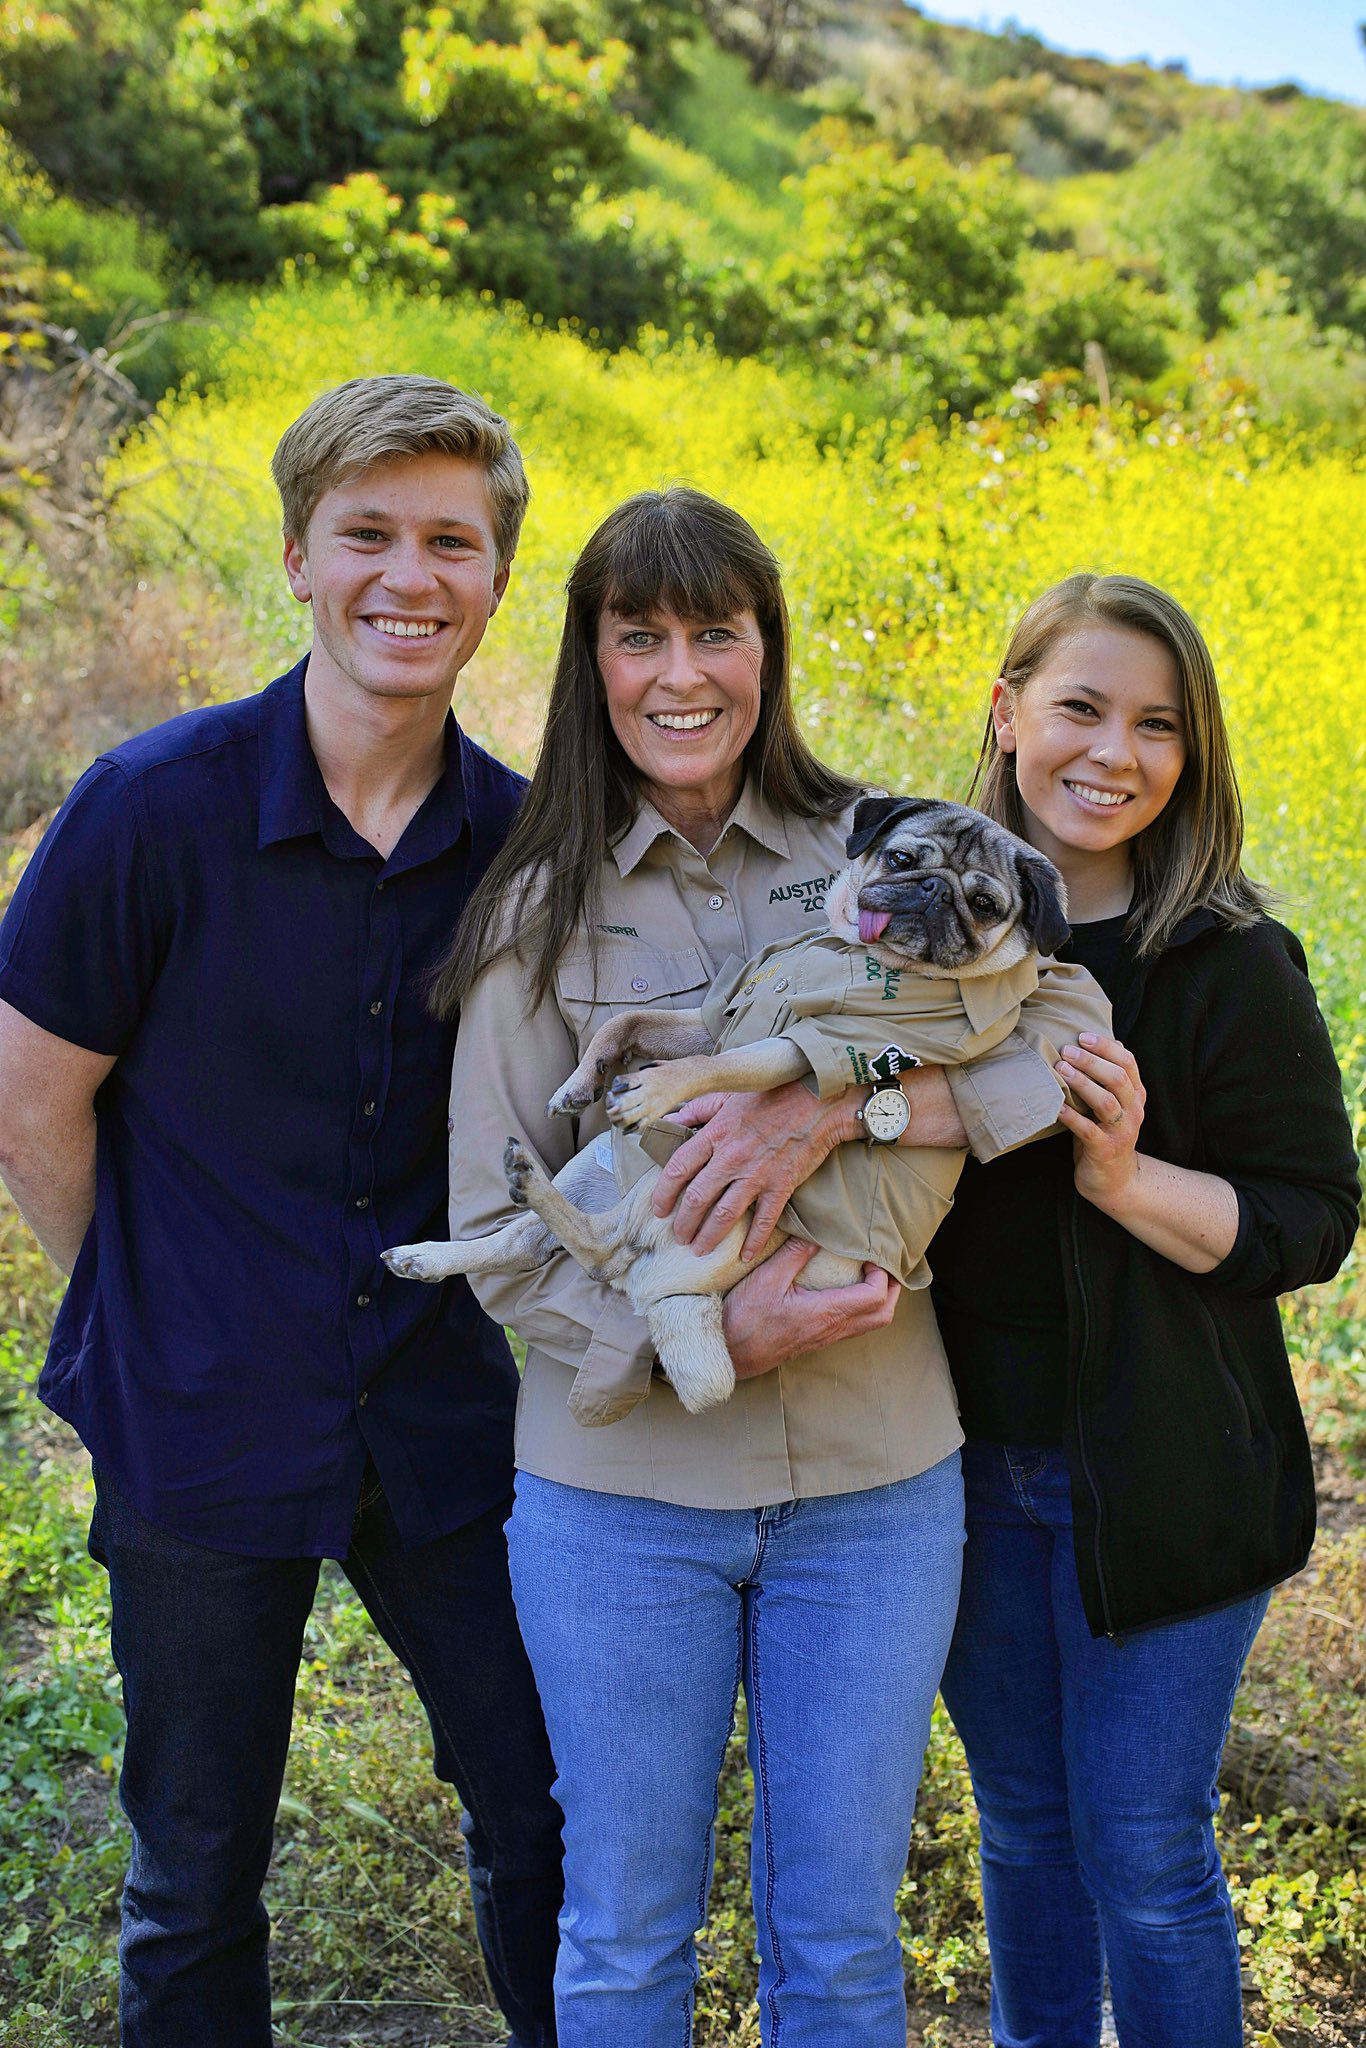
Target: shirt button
x,y
362,1398
378,887
368,1109
749,988
375,1008
640,985
362,1301
716,903
782,982
362,1201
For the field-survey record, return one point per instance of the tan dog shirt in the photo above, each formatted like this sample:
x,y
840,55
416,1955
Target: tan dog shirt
x,y
862,1413
857,1021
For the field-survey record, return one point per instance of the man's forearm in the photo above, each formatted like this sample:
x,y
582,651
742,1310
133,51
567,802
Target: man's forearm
x,y
54,1190
48,1087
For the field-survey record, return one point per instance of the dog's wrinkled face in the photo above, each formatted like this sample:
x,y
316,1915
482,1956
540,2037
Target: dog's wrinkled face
x,y
939,887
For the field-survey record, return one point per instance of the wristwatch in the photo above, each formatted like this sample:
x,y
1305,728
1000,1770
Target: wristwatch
x,y
885,1115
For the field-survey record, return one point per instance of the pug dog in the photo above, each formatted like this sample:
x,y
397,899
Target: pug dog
x,y
934,895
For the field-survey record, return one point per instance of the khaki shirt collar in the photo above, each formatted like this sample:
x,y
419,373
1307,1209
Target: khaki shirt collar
x,y
752,814
989,997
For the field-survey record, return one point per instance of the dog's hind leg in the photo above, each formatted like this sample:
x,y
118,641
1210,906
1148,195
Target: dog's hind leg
x,y
519,1247
598,1239
691,1346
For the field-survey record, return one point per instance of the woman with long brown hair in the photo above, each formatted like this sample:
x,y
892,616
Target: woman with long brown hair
x,y
1136,1467
804,1538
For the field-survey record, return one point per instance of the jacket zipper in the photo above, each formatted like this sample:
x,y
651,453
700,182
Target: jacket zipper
x,y
1080,1277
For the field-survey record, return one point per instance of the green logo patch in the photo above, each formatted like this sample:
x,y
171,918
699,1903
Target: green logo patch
x,y
890,1062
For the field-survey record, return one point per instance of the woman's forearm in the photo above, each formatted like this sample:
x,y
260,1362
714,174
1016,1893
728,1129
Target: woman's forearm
x,y
934,1114
1190,1218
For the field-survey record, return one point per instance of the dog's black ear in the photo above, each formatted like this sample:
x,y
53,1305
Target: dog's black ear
x,y
1043,899
874,815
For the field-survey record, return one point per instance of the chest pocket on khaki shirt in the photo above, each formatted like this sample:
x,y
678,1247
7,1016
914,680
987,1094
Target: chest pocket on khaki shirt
x,y
627,978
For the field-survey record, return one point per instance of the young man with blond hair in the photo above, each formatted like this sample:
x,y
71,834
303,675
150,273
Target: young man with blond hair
x,y
221,1095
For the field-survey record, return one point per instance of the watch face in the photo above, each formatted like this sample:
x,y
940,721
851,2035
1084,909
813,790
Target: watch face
x,y
886,1115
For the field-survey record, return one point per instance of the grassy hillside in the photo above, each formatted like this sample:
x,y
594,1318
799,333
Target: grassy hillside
x,y
942,212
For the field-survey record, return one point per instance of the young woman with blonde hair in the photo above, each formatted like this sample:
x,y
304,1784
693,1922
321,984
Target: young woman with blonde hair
x,y
1137,1471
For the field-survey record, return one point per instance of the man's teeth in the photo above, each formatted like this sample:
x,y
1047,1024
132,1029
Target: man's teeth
x,y
407,629
682,721
1107,798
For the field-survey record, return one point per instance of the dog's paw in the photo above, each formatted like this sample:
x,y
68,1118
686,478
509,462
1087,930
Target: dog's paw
x,y
626,1102
519,1166
418,1261
701,1386
578,1092
640,1098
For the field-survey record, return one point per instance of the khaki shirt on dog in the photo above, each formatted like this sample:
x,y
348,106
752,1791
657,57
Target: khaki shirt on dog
x,y
862,1413
859,1021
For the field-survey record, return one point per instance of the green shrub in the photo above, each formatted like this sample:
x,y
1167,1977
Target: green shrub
x,y
358,228
518,130
90,92
1068,301
286,72
1284,192
885,240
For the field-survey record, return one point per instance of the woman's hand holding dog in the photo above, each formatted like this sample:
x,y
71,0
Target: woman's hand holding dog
x,y
769,1318
750,1151
1190,1218
757,1150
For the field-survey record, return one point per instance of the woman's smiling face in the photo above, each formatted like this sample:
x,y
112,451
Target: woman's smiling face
x,y
683,696
1099,738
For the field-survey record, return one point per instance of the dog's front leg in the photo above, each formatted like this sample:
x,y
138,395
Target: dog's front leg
x,y
634,1035
645,1097
690,1344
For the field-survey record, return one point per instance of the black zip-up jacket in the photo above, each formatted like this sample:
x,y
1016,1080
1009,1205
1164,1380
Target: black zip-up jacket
x,y
1192,1482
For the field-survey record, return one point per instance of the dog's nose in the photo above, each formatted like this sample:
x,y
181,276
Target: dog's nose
x,y
931,890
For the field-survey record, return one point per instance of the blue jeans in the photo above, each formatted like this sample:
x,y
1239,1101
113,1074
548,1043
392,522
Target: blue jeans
x,y
208,1644
1095,1764
642,1620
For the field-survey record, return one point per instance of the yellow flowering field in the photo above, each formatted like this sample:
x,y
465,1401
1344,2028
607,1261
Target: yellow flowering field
x,y
906,558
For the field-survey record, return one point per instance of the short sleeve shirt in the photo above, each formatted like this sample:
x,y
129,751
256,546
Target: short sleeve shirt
x,y
231,1347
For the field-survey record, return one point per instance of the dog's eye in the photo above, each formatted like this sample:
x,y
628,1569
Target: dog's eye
x,y
896,859
985,906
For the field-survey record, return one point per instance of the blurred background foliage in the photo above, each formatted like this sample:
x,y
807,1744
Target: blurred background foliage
x,y
948,210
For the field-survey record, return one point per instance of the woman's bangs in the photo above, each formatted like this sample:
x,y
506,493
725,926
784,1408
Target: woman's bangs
x,y
655,566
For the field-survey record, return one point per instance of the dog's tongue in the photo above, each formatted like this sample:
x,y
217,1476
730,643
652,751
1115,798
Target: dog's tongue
x,y
872,924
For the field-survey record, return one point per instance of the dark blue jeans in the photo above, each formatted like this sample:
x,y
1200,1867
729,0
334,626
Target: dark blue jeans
x,y
1095,1766
208,1645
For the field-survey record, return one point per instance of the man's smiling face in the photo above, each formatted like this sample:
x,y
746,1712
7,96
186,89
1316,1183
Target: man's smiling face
x,y
400,564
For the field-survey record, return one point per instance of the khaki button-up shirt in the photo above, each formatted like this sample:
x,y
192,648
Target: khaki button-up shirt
x,y
858,1414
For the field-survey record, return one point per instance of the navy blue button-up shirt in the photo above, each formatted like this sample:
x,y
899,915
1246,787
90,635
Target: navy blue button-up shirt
x,y
230,1345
